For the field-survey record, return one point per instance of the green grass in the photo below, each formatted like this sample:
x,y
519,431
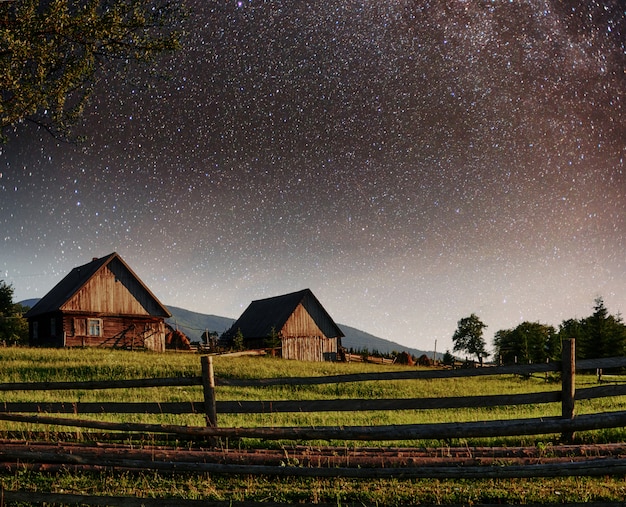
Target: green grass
x,y
392,492
38,365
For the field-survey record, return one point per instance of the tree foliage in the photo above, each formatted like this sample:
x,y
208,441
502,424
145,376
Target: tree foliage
x,y
239,341
530,342
273,341
468,337
6,297
13,326
448,359
599,335
51,52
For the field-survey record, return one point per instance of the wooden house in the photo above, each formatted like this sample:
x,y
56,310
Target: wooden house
x,y
305,329
100,304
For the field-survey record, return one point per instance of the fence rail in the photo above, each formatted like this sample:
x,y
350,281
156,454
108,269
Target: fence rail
x,y
554,367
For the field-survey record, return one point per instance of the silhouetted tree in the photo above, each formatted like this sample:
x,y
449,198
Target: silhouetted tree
x,y
238,341
273,341
599,335
469,337
13,325
448,359
529,342
6,297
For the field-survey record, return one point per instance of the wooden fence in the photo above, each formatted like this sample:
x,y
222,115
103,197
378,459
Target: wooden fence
x,y
211,407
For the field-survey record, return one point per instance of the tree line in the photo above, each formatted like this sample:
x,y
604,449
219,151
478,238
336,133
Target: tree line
x,y
13,325
599,335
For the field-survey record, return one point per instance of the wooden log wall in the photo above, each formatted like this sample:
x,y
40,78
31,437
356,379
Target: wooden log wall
x,y
303,340
116,332
309,348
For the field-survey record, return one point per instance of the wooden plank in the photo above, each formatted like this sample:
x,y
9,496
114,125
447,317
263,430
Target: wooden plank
x,y
438,431
590,467
352,405
605,363
523,370
32,498
102,384
590,393
240,353
308,456
208,383
568,384
331,379
320,454
275,406
113,407
393,375
192,381
266,407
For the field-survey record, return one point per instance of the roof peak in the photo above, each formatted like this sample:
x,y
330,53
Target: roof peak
x,y
290,294
77,278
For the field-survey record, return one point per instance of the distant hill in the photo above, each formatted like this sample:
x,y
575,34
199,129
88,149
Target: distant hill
x,y
359,340
193,324
29,302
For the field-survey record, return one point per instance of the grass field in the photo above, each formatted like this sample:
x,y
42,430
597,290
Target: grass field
x,y
37,365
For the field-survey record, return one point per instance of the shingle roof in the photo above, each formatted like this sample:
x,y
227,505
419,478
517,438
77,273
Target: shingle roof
x,y
262,315
76,279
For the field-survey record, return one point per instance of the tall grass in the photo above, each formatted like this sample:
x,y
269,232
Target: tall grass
x,y
59,365
40,365
49,365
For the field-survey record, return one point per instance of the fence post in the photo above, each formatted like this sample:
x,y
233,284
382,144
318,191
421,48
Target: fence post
x,y
208,384
568,383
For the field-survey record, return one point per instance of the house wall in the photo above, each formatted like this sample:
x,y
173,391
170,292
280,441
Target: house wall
x,y
300,323
303,340
116,332
46,330
72,330
309,348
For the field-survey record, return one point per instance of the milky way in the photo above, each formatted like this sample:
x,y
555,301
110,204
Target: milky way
x,y
410,162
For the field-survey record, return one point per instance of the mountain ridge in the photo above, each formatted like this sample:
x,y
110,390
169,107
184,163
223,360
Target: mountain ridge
x,y
193,324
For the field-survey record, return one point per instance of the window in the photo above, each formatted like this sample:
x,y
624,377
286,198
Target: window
x,y
94,327
80,327
53,327
35,330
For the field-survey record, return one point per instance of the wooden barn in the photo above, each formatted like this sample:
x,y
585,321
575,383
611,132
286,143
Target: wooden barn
x,y
305,329
100,304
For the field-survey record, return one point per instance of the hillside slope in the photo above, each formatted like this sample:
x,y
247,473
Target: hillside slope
x,y
193,324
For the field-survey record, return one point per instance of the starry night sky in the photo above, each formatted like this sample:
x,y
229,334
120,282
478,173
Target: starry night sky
x,y
410,162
